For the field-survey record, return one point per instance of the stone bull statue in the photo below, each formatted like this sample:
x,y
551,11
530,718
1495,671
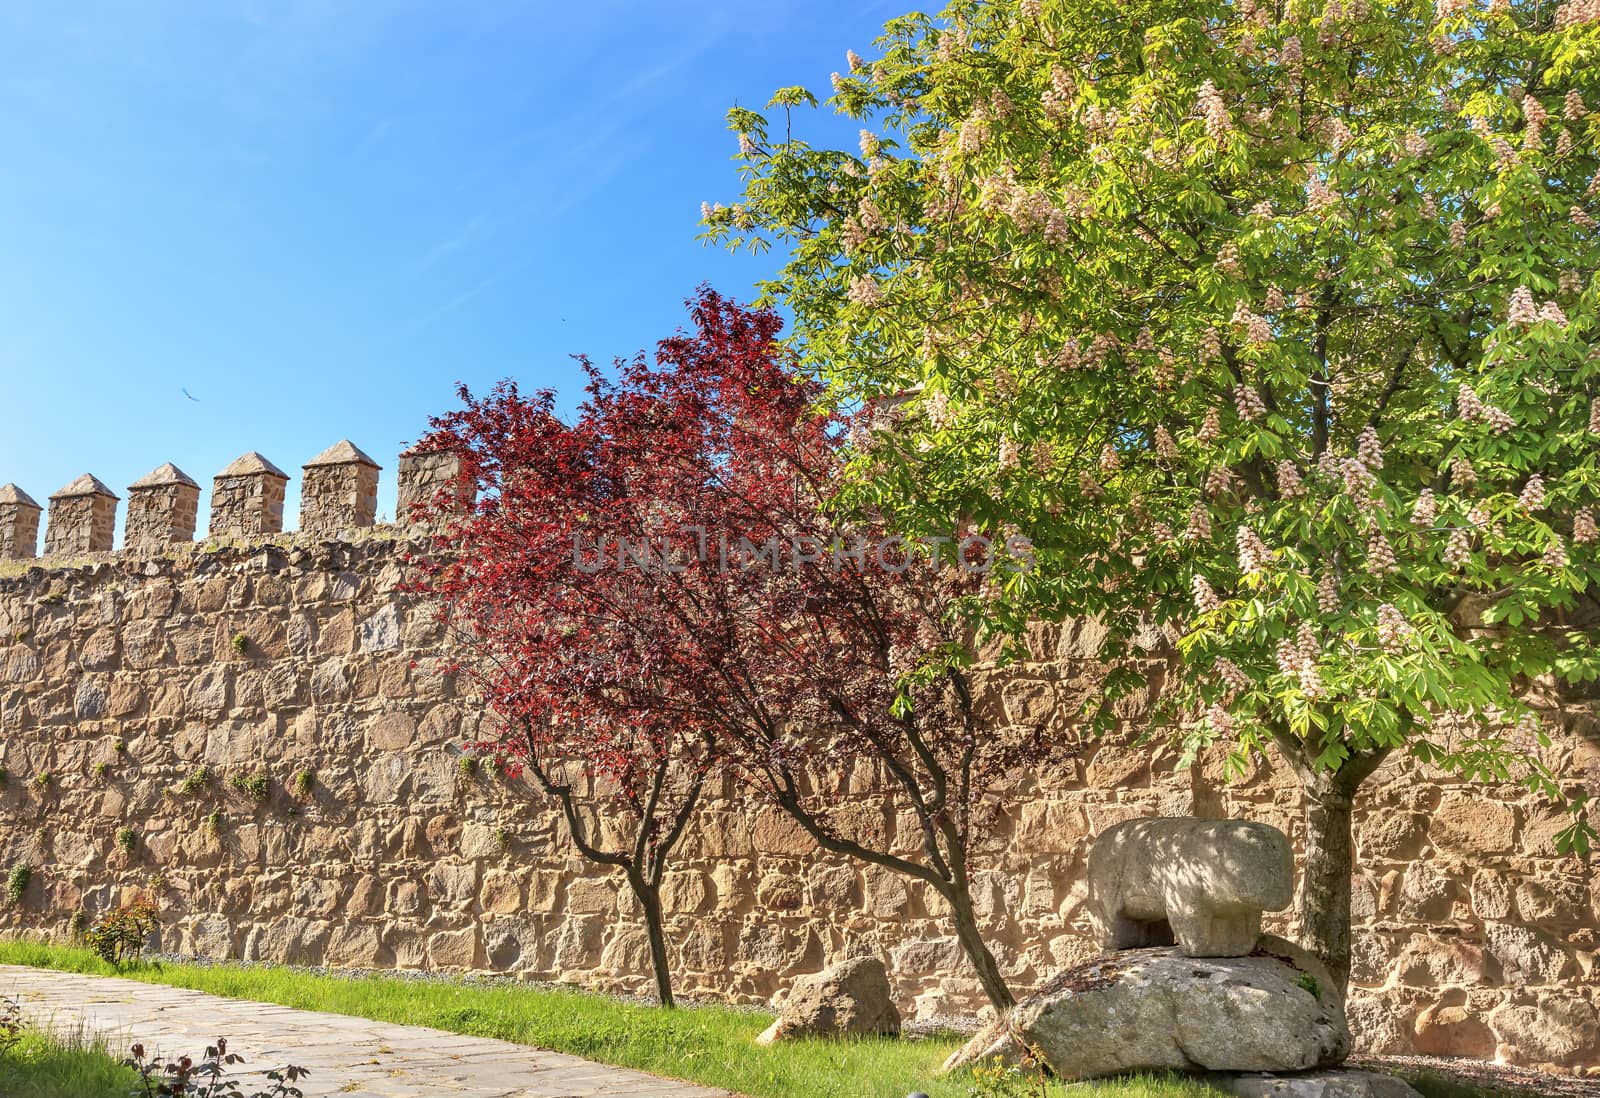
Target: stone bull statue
x,y
1201,884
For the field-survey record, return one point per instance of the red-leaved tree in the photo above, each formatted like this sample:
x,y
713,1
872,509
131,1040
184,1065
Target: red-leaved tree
x,y
660,587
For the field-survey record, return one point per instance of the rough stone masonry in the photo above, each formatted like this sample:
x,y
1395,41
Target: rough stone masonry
x,y
135,686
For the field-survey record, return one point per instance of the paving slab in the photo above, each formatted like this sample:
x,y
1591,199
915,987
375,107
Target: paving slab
x,y
345,1055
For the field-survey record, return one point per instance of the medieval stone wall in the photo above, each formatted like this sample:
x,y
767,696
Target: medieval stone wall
x,y
135,690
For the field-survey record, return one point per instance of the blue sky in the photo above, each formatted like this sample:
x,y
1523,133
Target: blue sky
x,y
318,216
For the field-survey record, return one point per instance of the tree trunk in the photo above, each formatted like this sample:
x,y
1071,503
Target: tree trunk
x,y
1329,862
983,962
650,900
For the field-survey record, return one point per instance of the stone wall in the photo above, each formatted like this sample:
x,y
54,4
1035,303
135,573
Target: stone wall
x,y
135,690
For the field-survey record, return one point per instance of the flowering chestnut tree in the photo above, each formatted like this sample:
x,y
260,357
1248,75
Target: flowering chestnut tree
x,y
658,590
1270,323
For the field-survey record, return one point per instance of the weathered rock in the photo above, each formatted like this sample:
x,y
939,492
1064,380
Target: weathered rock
x,y
1317,1084
1203,883
1159,1010
851,999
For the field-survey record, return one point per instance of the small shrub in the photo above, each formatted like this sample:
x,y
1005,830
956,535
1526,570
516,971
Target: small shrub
x,y
303,782
240,643
41,780
158,882
184,1078
996,1079
127,839
198,779
120,936
255,786
120,747
101,771
17,882
468,766
502,837
1309,983
10,1025
214,822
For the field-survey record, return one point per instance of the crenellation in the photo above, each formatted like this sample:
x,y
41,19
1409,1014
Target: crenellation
x,y
339,490
83,518
19,524
423,473
247,498
162,507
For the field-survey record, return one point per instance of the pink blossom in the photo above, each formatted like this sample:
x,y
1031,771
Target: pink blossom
x,y
1555,555
1166,448
1248,402
864,290
1044,458
1369,450
1327,594
1522,310
1229,672
1210,430
1290,485
1458,550
1532,497
1009,457
1462,473
1209,103
1199,528
1394,631
1426,510
1584,529
1253,552
1206,600
1380,556
1110,460
1572,107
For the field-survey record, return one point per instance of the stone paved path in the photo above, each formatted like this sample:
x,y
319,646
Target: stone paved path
x,y
346,1056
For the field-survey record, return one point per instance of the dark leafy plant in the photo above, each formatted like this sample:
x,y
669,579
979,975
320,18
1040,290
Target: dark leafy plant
x,y
10,1025
121,935
184,1078
127,839
198,779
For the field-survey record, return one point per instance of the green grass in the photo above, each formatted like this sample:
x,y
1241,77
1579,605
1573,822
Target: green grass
x,y
40,1067
712,1045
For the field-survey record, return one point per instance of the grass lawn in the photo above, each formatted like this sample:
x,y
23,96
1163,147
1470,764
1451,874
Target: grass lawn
x,y
42,1068
712,1045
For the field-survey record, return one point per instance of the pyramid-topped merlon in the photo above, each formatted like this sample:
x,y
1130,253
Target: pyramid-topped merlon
x,y
10,493
343,452
252,464
83,518
339,490
247,498
86,485
163,476
19,524
162,506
